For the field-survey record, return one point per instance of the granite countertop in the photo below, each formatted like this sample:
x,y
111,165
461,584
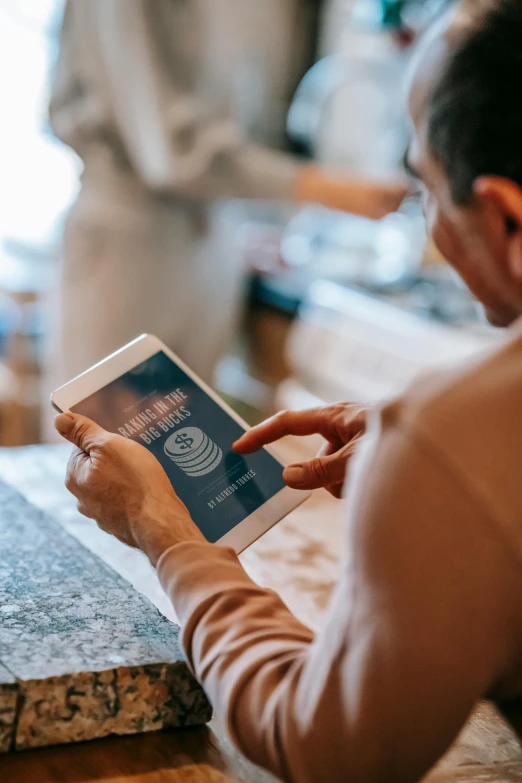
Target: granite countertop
x,y
82,654
299,558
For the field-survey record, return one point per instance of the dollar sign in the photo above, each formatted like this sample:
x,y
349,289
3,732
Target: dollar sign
x,y
183,441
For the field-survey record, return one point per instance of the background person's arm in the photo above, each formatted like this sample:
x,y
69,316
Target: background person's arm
x,y
423,623
180,147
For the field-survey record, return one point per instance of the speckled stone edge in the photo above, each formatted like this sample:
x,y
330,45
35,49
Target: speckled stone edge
x,y
94,705
75,708
151,688
91,705
8,709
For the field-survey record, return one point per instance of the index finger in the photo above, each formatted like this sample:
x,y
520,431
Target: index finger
x,y
314,421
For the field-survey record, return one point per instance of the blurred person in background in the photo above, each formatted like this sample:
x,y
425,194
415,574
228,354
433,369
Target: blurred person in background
x,y
171,106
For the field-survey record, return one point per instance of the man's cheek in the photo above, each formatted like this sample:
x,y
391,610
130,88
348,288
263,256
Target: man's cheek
x,y
446,238
432,217
469,270
441,239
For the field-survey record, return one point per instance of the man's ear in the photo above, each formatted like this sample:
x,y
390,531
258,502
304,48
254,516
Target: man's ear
x,y
501,200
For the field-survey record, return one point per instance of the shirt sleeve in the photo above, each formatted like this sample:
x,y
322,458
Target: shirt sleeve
x,y
420,627
176,144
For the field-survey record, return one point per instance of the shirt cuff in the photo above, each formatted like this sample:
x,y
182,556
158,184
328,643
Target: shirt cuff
x,y
192,572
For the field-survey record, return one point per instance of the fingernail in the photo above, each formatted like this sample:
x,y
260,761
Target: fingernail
x,y
293,474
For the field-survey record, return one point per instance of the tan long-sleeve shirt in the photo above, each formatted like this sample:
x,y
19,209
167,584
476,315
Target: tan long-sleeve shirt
x,y
426,618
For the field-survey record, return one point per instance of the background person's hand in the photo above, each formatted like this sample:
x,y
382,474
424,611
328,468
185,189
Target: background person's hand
x,y
123,487
357,195
341,425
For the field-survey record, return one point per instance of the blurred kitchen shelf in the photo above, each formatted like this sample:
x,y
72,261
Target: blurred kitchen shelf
x,y
24,279
348,345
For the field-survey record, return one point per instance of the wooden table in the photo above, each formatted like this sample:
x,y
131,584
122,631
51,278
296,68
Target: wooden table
x,y
299,559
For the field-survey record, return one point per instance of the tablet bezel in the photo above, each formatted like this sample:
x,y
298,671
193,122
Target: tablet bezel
x,y
129,357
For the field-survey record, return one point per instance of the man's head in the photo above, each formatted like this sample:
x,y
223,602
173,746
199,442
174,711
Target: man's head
x,y
467,147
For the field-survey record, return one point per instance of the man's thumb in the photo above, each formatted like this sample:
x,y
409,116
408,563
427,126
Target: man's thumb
x,y
319,472
78,430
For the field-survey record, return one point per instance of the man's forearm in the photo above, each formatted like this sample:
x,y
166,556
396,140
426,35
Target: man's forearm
x,y
281,695
233,630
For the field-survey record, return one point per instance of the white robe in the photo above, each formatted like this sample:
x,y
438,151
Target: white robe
x,y
172,106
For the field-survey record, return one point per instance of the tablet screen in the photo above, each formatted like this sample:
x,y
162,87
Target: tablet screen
x,y
158,405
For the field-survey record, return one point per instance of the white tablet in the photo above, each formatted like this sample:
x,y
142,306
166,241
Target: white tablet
x,y
144,392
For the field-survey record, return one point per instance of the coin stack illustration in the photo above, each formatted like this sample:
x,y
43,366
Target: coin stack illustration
x,y
193,451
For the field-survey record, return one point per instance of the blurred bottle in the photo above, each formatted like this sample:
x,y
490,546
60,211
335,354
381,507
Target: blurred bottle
x,y
349,110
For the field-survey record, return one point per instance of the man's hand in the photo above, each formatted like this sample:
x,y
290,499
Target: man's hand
x,y
341,425
124,488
